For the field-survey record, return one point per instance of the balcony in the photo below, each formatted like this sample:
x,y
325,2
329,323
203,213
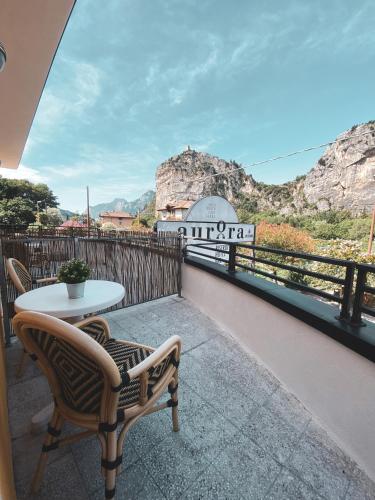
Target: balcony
x,y
277,389
243,434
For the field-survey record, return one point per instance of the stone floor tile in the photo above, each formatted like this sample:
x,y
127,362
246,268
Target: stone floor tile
x,y
175,464
208,351
284,405
24,400
289,487
212,485
271,433
26,452
61,480
325,468
189,402
87,455
360,487
247,466
240,371
208,430
136,330
190,334
149,431
135,483
322,439
13,358
221,392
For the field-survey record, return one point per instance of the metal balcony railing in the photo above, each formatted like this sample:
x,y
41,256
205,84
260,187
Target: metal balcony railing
x,y
352,301
364,294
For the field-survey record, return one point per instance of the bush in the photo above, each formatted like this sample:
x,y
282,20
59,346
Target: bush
x,y
284,236
339,249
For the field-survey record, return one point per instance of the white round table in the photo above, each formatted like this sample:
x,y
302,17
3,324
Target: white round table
x,y
54,301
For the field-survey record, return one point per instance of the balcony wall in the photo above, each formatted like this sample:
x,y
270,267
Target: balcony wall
x,y
336,384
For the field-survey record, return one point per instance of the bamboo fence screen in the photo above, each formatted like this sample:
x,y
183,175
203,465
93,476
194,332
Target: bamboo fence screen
x,y
148,265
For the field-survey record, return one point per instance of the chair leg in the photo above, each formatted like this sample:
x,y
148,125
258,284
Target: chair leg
x,y
173,389
22,364
110,474
55,424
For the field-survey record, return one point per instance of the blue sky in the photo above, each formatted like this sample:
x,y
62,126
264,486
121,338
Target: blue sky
x,y
135,81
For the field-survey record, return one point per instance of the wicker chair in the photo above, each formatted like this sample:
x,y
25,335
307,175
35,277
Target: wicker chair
x,y
97,383
23,283
21,277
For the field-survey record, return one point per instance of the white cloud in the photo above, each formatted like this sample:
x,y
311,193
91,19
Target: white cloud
x,y
184,76
23,172
76,170
70,99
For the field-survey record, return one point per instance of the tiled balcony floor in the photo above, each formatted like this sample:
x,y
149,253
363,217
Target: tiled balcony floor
x,y
242,436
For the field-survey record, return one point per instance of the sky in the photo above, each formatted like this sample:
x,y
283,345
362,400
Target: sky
x,y
135,81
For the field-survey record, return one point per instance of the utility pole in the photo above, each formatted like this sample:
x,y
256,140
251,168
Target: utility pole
x,y
371,238
88,210
37,211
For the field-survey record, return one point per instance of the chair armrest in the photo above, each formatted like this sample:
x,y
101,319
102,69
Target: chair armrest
x,y
96,327
170,345
51,279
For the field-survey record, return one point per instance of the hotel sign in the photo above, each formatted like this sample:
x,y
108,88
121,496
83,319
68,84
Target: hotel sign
x,y
209,230
211,218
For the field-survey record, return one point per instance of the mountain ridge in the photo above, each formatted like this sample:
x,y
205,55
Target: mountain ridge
x,y
342,179
121,204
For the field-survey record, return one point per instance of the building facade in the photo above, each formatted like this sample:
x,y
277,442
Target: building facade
x,y
119,219
176,210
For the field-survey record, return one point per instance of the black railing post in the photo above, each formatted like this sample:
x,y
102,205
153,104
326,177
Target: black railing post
x,y
348,290
232,258
180,250
356,318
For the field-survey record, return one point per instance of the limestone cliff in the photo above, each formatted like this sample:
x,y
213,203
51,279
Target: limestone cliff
x,y
343,179
192,174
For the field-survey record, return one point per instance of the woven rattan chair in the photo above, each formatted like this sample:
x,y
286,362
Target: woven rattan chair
x,y
23,283
21,277
98,383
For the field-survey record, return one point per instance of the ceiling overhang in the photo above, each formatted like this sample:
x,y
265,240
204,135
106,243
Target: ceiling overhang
x,y
30,32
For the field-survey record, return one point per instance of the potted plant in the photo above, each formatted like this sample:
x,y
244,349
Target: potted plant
x,y
74,273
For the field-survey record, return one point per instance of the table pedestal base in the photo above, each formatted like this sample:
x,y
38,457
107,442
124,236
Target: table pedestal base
x,y
40,420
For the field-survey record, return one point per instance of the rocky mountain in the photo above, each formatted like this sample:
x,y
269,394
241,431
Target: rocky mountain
x,y
343,179
120,204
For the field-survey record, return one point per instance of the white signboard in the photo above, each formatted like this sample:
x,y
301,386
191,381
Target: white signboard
x,y
209,230
212,218
213,208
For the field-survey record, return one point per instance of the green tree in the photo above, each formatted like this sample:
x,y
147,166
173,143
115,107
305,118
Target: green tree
x,y
19,200
51,217
16,211
14,188
147,216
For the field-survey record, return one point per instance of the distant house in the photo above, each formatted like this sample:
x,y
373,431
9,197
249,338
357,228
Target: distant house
x,y
175,210
72,223
119,219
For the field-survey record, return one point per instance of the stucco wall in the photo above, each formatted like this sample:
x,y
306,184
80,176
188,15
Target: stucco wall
x,y
336,384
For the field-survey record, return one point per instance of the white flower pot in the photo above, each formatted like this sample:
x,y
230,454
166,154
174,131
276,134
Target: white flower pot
x,y
76,290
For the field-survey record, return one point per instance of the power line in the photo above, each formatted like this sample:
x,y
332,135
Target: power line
x,y
280,157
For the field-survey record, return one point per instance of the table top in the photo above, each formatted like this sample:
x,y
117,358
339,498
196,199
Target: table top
x,y
54,300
